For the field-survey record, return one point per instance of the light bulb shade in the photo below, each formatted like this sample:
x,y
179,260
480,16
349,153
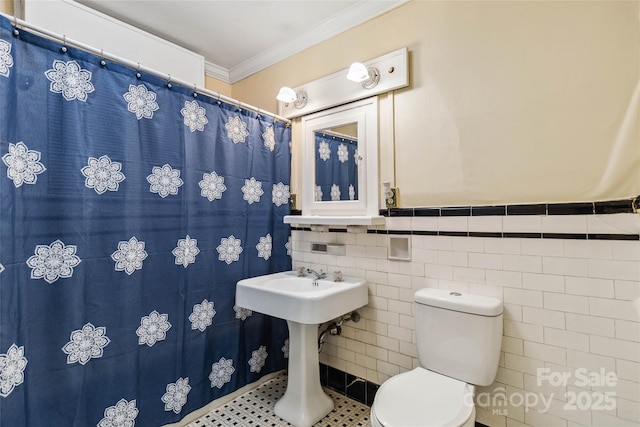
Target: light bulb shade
x,y
286,94
368,77
358,72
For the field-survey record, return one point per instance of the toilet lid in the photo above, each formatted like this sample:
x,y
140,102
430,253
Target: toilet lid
x,y
423,398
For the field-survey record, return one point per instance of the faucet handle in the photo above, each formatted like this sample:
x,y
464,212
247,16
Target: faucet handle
x,y
302,271
337,276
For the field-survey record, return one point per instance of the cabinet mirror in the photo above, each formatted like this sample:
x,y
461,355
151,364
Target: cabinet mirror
x,y
336,164
340,160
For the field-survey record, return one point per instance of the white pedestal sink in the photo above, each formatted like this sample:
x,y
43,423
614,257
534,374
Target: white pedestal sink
x,y
305,304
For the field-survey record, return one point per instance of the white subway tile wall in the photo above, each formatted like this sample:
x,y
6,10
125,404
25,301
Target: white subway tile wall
x,y
571,344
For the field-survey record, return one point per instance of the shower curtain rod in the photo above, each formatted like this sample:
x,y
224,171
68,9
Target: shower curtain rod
x,y
19,23
338,134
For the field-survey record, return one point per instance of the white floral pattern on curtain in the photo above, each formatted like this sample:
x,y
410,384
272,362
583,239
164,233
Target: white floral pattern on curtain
x,y
336,164
129,211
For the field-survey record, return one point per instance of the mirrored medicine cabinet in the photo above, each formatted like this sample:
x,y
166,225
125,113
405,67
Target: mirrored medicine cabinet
x,y
340,166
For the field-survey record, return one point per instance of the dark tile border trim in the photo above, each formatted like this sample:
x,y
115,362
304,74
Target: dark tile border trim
x,y
488,210
485,234
572,208
460,211
454,233
393,231
424,233
526,209
356,388
497,234
522,235
576,236
615,206
593,208
423,212
337,230
586,208
400,212
613,237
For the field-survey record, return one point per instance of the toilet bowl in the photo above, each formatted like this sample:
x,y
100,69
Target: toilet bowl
x,y
458,338
421,398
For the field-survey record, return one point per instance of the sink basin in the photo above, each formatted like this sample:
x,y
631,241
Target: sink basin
x,y
299,284
304,303
289,297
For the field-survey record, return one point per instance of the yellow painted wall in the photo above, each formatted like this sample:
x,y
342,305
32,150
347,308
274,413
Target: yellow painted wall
x,y
217,86
6,6
509,102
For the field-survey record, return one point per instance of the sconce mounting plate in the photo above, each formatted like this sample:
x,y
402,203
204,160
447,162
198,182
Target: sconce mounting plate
x,y
335,89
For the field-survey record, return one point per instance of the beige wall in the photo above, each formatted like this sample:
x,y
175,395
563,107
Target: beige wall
x,y
217,86
6,6
509,102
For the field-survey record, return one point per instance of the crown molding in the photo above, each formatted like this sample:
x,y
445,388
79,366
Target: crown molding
x,y
361,12
217,72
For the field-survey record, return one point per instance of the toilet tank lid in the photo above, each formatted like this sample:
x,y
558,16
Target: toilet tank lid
x,y
459,301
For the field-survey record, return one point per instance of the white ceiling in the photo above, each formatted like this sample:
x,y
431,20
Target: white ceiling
x,y
241,37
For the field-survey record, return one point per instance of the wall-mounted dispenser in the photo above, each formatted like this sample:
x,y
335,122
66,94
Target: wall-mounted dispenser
x,y
329,248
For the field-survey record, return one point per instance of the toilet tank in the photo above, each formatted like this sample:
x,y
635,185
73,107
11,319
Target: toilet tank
x,y
458,334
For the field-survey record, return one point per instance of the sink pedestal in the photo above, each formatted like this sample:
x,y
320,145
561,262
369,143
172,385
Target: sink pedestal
x,y
304,302
304,403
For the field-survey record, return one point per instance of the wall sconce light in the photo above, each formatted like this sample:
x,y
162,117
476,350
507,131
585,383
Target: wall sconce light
x,y
288,95
360,73
373,77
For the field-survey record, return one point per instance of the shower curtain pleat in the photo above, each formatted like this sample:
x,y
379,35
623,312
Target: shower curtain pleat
x,y
129,209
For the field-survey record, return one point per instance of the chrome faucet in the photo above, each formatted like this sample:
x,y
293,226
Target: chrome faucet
x,y
319,276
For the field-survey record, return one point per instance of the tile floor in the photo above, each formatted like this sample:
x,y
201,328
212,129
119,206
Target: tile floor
x,y
255,409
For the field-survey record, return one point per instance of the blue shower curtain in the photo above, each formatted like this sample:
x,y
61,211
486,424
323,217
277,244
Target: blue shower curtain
x,y
336,167
129,209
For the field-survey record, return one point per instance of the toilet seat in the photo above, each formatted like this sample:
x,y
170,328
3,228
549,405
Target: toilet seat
x,y
423,398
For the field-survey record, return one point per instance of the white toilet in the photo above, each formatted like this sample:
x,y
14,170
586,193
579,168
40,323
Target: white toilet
x,y
459,338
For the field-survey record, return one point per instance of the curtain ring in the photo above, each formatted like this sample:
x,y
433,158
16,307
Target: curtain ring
x,y
195,90
15,26
64,43
102,61
138,75
169,85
